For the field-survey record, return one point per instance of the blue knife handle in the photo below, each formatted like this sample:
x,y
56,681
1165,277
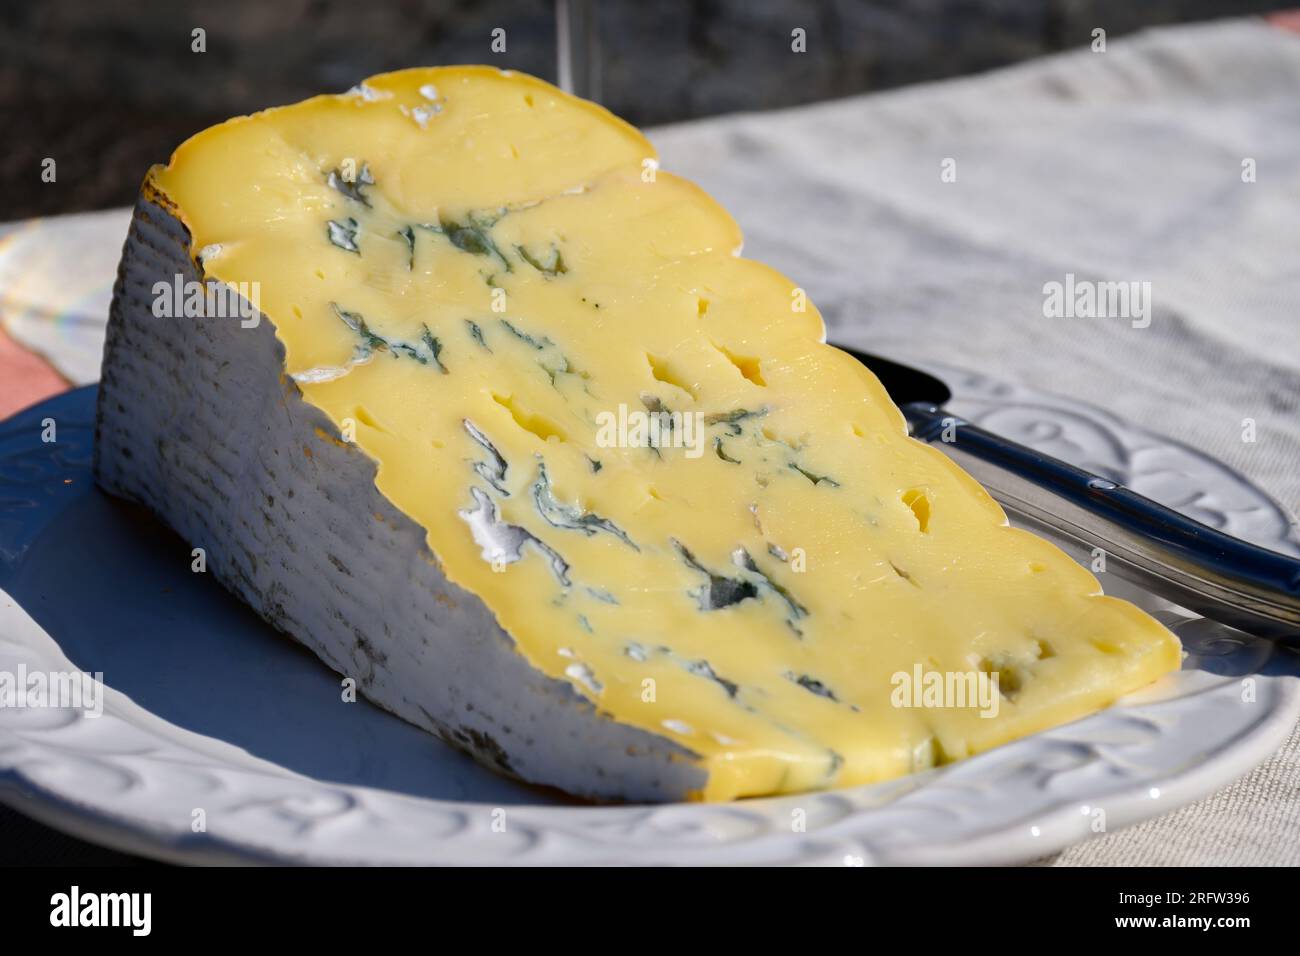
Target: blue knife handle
x,y
1214,574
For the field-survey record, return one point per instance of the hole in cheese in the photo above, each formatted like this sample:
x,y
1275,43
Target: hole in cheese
x,y
663,372
918,499
903,574
1105,646
795,444
362,414
540,426
748,366
1010,676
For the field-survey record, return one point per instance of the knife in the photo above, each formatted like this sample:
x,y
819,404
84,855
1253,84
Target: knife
x,y
1198,567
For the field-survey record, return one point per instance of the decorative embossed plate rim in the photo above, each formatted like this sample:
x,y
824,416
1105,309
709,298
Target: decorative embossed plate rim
x,y
131,779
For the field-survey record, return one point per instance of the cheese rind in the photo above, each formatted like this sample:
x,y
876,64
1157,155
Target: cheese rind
x,y
464,275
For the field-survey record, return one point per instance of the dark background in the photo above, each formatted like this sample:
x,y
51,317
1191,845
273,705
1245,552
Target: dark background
x,y
108,87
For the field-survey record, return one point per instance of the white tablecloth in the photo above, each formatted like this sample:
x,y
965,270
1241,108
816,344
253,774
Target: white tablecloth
x,y
1123,165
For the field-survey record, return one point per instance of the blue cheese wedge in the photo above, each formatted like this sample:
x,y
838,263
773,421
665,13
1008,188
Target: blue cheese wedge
x,y
503,427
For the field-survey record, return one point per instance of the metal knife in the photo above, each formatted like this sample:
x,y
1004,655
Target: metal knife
x,y
1204,570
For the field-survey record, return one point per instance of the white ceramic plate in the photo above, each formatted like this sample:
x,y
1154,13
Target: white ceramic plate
x,y
210,710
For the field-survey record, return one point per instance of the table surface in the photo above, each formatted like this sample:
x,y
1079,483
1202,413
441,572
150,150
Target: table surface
x,y
1132,164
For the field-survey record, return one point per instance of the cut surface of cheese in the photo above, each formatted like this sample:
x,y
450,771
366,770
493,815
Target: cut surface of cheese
x,y
486,292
